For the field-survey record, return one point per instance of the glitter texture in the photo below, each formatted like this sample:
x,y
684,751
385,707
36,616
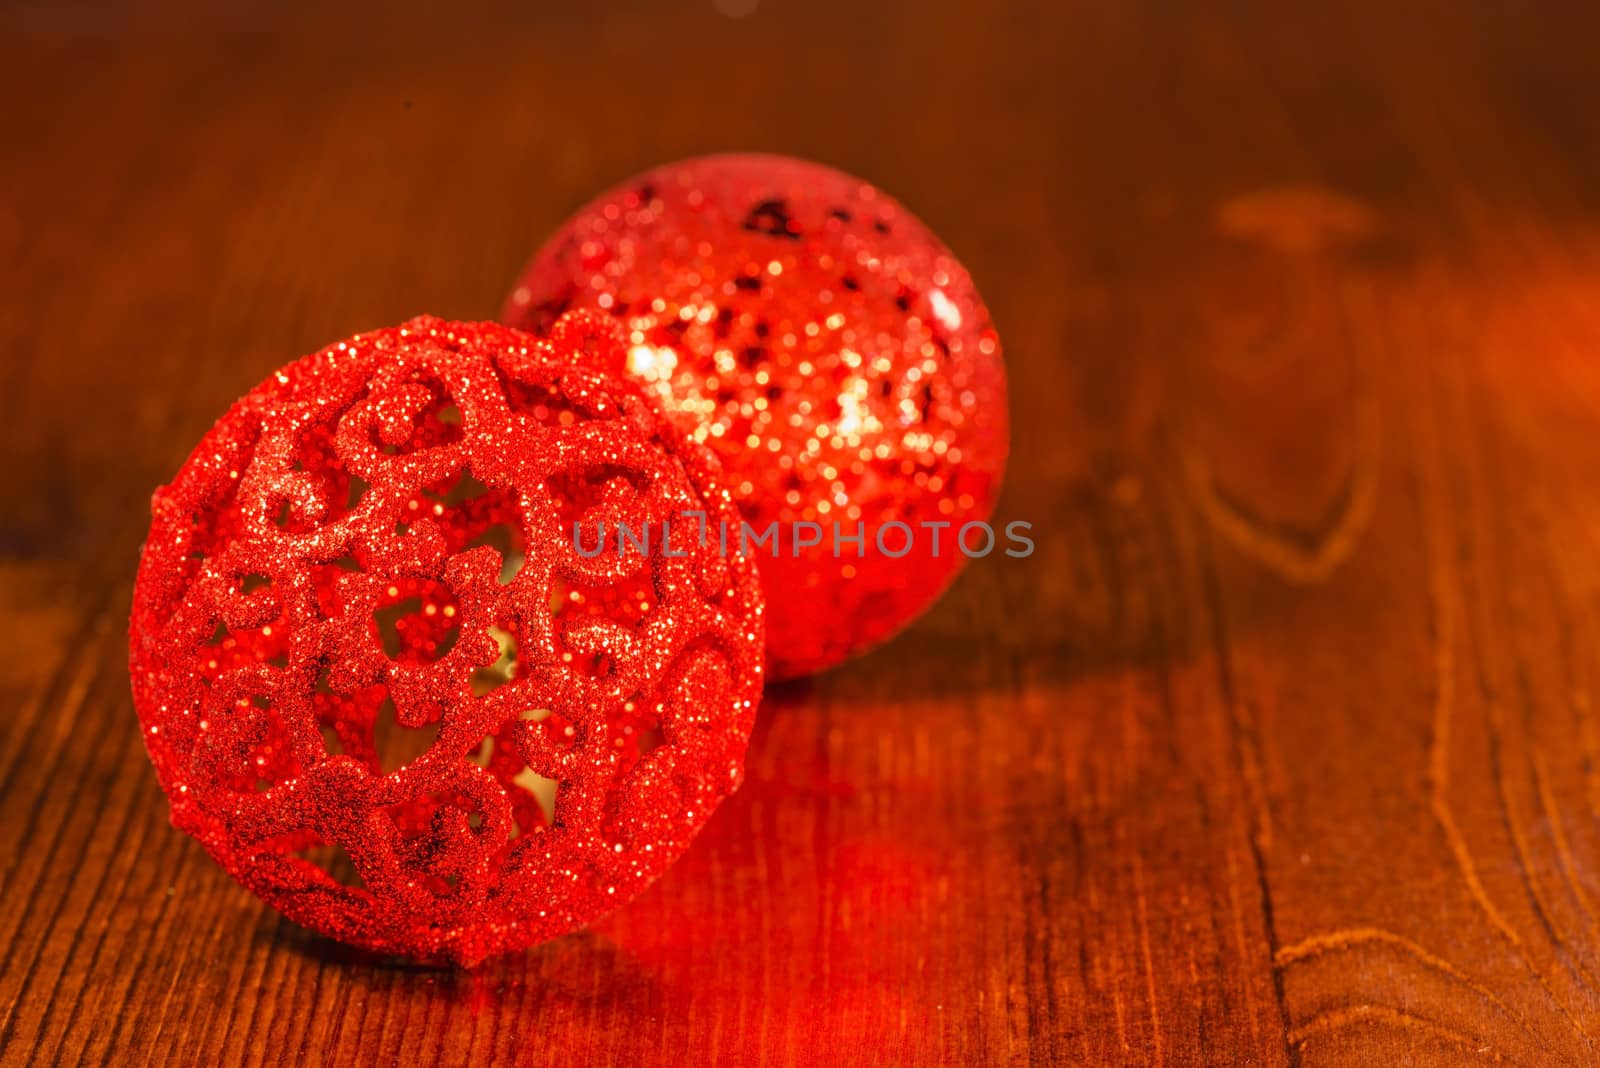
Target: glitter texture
x,y
376,677
831,351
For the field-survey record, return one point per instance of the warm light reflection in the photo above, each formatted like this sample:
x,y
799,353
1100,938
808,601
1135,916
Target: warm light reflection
x,y
651,363
944,309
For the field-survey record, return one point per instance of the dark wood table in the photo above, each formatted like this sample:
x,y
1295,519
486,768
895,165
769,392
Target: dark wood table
x,y
1283,747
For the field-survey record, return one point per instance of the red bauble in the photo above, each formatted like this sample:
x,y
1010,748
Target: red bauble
x,y
362,621
829,348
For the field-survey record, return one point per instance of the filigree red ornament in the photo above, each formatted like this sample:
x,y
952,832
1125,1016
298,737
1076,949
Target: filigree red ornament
x,y
362,624
832,352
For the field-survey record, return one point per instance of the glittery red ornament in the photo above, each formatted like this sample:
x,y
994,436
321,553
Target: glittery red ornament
x,y
365,620
834,354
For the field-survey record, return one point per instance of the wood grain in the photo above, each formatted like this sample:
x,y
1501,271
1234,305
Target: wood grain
x,y
1282,748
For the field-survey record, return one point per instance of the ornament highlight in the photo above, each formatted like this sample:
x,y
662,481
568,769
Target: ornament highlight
x,y
362,626
829,349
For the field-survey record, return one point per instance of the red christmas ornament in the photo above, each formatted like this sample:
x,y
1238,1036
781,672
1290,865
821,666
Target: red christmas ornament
x,y
831,351
367,617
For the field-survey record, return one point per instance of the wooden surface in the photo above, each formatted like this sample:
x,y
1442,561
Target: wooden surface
x,y
1284,746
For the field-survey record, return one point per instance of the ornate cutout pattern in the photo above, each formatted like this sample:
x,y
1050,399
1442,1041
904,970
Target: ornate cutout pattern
x,y
362,623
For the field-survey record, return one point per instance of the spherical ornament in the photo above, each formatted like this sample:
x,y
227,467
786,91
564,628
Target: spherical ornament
x,y
381,674
832,352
